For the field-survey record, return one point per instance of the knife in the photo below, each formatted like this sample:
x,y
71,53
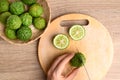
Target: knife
x,y
86,71
85,68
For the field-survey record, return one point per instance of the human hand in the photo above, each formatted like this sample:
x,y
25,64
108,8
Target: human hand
x,y
55,72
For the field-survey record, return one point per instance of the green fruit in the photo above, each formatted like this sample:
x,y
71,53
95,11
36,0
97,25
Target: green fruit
x,y
17,8
4,16
10,33
77,32
26,19
61,41
78,60
29,2
36,10
13,22
24,33
39,23
4,5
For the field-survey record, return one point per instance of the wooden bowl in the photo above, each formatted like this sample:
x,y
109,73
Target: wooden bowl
x,y
96,46
35,33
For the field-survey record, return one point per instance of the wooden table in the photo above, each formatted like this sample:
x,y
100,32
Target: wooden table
x,y
21,62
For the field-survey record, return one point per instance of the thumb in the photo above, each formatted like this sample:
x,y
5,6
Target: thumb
x,y
73,74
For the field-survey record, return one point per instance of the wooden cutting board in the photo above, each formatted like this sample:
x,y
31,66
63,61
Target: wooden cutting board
x,y
96,45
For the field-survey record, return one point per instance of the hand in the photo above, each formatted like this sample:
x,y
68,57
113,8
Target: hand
x,y
55,72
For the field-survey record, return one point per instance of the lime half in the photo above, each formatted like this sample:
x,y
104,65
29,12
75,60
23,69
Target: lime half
x,y
77,32
61,41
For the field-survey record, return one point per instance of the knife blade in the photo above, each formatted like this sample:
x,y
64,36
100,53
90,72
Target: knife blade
x,y
86,72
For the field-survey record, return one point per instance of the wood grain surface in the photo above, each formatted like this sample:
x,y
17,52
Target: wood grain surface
x,y
21,62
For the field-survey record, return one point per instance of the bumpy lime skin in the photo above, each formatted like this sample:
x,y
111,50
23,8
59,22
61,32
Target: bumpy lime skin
x,y
17,8
78,60
36,10
29,2
4,5
10,33
14,22
24,33
39,23
4,16
26,19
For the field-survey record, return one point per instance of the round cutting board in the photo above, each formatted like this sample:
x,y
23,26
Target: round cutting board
x,y
96,45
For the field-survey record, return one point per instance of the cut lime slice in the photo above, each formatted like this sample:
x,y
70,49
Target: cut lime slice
x,y
77,32
61,41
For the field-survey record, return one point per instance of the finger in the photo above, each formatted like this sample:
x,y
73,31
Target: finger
x,y
56,62
61,65
72,74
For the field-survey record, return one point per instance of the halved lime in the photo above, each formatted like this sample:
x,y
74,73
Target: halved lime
x,y
77,32
61,41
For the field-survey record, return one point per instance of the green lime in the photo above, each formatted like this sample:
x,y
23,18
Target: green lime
x,y
10,33
24,33
29,2
78,60
4,5
17,8
26,19
36,10
39,23
4,16
14,22
61,41
77,32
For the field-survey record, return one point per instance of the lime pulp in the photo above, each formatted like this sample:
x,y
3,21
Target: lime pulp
x,y
77,32
61,41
